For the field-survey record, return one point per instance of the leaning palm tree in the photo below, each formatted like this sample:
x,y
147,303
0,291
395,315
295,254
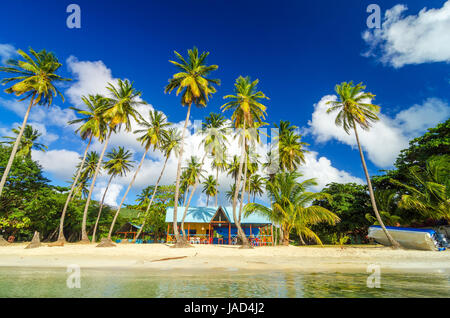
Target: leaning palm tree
x,y
170,144
120,108
210,188
292,206
86,173
34,79
28,142
153,135
354,109
92,126
196,88
119,164
248,112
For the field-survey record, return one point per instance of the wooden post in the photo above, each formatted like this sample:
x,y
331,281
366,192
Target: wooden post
x,y
271,233
209,234
229,233
167,239
188,232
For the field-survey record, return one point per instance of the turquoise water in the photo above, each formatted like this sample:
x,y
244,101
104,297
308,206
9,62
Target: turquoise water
x,y
50,282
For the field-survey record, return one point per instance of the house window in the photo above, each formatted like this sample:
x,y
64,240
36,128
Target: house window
x,y
192,232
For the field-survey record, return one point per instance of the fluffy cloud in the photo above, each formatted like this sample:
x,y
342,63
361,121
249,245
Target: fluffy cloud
x,y
412,39
387,137
111,196
322,170
60,163
7,51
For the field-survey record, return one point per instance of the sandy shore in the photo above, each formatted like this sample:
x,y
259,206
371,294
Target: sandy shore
x,y
207,257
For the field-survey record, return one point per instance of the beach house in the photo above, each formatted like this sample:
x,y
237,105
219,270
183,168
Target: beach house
x,y
215,225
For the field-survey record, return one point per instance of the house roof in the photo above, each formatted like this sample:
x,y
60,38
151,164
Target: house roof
x,y
205,214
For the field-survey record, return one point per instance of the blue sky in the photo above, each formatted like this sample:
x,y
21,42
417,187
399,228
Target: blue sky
x,y
298,50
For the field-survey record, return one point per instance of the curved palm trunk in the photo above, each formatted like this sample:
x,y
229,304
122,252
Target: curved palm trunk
x,y
186,207
177,184
151,200
393,242
241,233
207,200
217,186
84,236
16,145
285,234
243,189
69,197
185,196
126,193
100,209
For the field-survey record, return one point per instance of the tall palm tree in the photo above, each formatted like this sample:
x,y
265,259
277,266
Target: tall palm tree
x,y
354,109
154,133
92,126
233,167
292,206
247,110
220,164
194,173
170,144
119,110
34,78
119,164
196,88
291,151
210,188
86,172
28,141
256,185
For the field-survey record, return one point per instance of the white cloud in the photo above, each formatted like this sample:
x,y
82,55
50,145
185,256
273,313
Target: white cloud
x,y
91,78
387,137
322,170
60,163
412,39
7,51
111,196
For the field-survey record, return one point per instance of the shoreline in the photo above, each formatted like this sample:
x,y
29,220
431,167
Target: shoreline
x,y
223,258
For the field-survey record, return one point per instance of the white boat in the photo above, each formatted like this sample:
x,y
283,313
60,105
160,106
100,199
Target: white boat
x,y
418,239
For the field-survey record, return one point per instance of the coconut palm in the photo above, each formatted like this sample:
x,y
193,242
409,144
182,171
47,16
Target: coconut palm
x,y
196,88
152,136
291,151
292,206
170,144
194,171
219,163
86,172
256,186
355,109
119,110
430,194
210,188
247,110
34,78
119,164
92,126
28,141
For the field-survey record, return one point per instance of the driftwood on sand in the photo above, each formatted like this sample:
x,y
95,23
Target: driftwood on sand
x,y
35,242
3,242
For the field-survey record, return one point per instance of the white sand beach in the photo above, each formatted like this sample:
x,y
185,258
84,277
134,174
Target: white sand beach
x,y
207,257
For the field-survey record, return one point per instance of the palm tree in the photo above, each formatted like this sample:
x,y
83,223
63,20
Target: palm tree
x,y
210,188
220,164
233,167
28,141
153,136
196,88
34,80
170,144
194,171
247,110
120,108
92,125
291,151
119,164
292,206
355,110
430,194
86,172
256,186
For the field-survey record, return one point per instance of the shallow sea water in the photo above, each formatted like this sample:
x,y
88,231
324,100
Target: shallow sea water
x,y
52,282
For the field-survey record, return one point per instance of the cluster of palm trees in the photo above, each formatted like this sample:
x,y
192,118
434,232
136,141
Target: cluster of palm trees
x,y
102,116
